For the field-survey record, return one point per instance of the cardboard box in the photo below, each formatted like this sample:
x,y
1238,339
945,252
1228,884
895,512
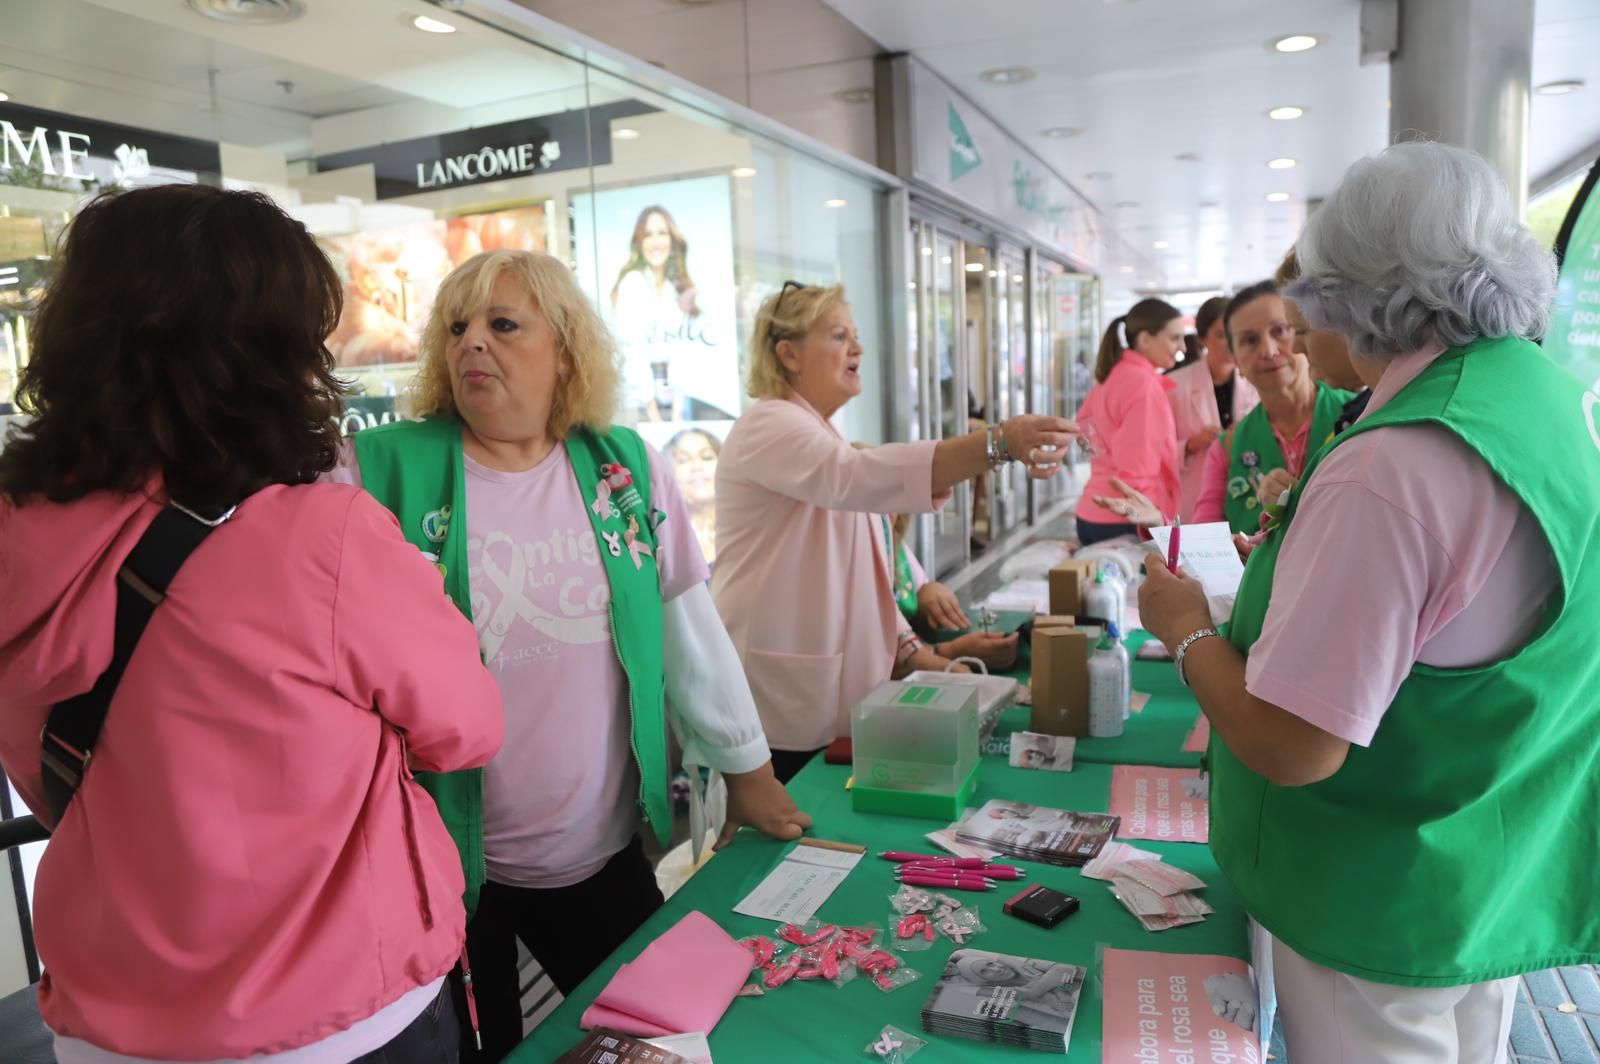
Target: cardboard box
x,y
1061,676
1068,582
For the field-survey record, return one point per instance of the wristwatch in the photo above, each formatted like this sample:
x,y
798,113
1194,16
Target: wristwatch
x,y
1182,648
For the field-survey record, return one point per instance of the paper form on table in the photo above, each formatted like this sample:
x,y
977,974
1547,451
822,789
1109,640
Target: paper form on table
x,y
1208,552
803,880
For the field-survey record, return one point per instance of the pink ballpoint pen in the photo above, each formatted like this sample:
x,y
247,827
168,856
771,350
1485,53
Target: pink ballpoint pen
x,y
948,882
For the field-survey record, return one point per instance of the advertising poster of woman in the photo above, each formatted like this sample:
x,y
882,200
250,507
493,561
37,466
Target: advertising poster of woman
x,y
692,449
658,261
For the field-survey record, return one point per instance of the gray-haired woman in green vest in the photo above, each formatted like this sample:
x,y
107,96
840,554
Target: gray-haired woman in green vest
x,y
1405,733
566,541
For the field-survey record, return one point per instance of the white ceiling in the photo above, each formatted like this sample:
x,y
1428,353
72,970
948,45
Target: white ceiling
x,y
1150,80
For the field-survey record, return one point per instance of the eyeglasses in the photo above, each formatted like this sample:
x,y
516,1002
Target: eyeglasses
x,y
772,324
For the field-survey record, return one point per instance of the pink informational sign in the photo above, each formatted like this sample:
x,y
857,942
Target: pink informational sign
x,y
1172,1008
1199,736
1164,804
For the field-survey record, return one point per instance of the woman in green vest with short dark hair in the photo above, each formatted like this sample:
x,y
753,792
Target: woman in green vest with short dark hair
x,y
1404,727
565,540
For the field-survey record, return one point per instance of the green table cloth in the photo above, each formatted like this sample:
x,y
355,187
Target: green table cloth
x,y
818,1022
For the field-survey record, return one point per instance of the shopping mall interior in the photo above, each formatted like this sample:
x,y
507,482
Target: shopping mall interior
x,y
992,183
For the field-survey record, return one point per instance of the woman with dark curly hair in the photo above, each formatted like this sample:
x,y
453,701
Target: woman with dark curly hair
x,y
246,868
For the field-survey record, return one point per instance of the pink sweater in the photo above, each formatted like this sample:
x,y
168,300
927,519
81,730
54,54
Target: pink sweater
x,y
248,866
1138,437
804,580
1194,407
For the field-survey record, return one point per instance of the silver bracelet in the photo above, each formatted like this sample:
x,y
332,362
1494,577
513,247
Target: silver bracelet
x,y
1183,649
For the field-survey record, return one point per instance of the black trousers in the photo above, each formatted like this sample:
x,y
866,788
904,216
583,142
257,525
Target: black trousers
x,y
569,930
431,1038
1091,532
786,764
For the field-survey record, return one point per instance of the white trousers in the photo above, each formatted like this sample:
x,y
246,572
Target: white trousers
x,y
1333,1018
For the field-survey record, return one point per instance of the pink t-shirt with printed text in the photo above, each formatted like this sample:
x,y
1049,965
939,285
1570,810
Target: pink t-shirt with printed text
x,y
1405,548
559,798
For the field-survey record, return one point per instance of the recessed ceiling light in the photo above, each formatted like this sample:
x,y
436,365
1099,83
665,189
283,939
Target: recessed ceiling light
x,y
927,251
1017,277
911,285
1277,197
1187,157
1060,132
743,171
431,25
4,97
1559,88
861,95
1161,245
1281,164
835,203
946,260
1299,42
1007,75
249,12
994,273
1127,269
1098,175
1285,114
624,133
974,267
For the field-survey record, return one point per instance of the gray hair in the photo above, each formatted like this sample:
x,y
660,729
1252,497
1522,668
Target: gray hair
x,y
1419,245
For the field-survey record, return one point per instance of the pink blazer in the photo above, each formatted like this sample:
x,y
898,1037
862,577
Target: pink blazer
x,y
1194,407
804,580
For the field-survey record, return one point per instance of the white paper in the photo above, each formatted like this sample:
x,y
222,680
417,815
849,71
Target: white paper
x,y
796,889
1208,552
692,1047
1020,596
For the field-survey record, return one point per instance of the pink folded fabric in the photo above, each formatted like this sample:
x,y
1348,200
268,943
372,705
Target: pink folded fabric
x,y
683,981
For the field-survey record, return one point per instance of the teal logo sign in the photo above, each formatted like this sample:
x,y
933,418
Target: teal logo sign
x,y
964,156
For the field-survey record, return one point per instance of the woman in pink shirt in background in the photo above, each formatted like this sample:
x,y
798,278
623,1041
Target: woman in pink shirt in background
x,y
1210,397
805,569
248,868
1128,421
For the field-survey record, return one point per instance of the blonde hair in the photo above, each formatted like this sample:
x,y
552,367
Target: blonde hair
x,y
586,390
787,314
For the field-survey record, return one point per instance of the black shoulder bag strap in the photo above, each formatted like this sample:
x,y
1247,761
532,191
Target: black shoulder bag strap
x,y
68,738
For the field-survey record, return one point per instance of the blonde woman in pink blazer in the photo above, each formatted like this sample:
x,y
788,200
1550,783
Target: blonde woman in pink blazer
x,y
804,576
1210,397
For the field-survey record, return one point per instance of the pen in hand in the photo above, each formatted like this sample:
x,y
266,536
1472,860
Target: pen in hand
x,y
1172,545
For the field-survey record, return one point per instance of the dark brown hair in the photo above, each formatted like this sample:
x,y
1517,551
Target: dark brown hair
x,y
1244,298
1208,315
181,335
1146,316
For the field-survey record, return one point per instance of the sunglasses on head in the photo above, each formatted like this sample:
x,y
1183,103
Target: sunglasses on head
x,y
772,325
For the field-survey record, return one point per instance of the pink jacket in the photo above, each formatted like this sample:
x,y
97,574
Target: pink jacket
x,y
1138,438
804,580
248,866
1194,407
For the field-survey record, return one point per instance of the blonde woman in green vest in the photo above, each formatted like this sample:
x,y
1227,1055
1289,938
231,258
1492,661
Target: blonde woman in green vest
x,y
1403,715
566,541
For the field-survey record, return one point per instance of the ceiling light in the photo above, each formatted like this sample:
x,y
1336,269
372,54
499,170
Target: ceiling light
x,y
1161,245
1187,157
994,273
1285,114
1127,269
1299,42
1098,175
1280,164
1017,277
927,251
911,285
1060,132
974,267
743,171
1277,197
1127,203
946,260
1559,88
249,12
431,25
835,203
861,95
1007,75
4,97
624,133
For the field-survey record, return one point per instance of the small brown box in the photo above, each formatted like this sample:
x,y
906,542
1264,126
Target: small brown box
x,y
1061,677
1068,582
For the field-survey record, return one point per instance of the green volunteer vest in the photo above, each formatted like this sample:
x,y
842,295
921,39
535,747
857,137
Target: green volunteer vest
x,y
1460,845
905,585
1253,452
415,469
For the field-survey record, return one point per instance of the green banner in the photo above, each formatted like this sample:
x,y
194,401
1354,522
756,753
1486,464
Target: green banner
x,y
1573,339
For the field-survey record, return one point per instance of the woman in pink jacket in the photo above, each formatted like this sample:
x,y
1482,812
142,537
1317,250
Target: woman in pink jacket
x,y
805,571
247,868
1210,397
1127,419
